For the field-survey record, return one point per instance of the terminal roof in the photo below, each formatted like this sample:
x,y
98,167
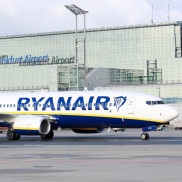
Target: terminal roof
x,y
179,23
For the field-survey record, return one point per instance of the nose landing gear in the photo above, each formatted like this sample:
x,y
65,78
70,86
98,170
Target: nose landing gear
x,y
144,136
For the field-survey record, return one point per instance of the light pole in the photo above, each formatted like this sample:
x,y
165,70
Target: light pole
x,y
78,11
159,91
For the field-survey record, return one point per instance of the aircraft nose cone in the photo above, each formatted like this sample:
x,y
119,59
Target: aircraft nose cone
x,y
174,113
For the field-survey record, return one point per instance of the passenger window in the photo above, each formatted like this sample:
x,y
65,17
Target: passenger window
x,y
14,105
148,102
110,104
10,105
7,105
39,105
4,105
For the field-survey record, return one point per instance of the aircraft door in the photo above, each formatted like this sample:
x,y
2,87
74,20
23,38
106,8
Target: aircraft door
x,y
131,105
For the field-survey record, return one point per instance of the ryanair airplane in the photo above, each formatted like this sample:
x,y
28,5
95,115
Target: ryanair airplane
x,y
36,113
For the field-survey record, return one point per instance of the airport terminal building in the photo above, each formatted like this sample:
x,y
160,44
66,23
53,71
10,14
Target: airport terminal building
x,y
140,57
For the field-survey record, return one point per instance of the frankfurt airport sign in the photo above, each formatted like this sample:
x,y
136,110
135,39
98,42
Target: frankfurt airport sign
x,y
29,60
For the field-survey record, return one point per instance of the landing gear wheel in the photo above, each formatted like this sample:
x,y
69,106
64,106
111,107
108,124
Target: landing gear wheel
x,y
17,137
10,135
44,136
49,136
147,135
144,136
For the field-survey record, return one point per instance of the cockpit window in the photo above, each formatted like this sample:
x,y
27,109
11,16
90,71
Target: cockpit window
x,y
154,103
148,102
160,102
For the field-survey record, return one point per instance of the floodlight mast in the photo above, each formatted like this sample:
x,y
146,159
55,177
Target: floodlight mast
x,y
78,11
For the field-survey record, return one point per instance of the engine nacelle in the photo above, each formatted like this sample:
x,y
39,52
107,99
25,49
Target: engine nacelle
x,y
31,125
88,130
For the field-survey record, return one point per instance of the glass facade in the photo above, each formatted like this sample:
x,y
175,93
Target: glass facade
x,y
125,48
148,57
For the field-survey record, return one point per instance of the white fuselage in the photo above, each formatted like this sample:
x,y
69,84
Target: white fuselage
x,y
89,108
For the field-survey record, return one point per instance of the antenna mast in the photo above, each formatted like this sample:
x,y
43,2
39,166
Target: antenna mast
x,y
169,12
152,20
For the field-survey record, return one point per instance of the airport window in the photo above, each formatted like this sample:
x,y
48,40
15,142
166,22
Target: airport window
x,y
160,102
148,102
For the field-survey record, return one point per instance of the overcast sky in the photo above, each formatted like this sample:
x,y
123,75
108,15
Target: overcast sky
x,y
34,16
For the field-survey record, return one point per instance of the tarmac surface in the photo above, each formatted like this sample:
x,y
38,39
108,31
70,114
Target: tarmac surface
x,y
105,157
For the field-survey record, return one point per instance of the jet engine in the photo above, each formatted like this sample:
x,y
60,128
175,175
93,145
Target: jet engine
x,y
88,130
31,125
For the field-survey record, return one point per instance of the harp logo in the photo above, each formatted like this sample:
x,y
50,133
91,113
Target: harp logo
x,y
119,101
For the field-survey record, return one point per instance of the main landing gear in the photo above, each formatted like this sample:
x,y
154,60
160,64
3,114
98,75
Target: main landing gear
x,y
11,135
144,136
49,136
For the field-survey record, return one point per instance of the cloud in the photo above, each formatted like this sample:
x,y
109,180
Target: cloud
x,y
34,16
